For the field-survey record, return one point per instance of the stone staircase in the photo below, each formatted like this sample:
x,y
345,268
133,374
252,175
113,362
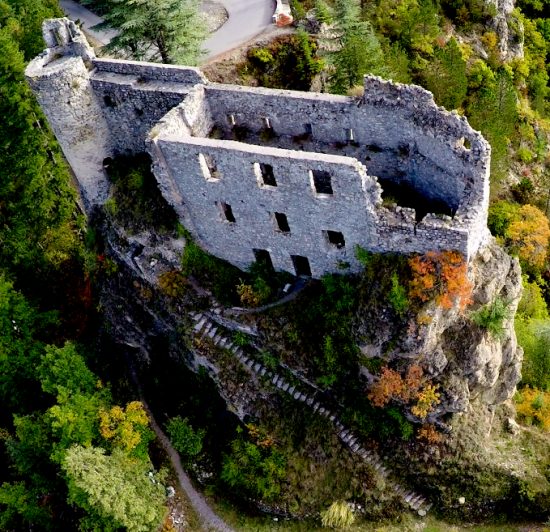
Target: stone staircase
x,y
206,327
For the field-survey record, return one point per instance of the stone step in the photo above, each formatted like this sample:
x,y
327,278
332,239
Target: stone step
x,y
199,325
196,315
213,332
263,371
207,328
285,386
257,367
291,390
309,401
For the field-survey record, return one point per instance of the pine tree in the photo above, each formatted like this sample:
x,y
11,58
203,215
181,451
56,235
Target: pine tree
x,y
171,30
446,76
357,50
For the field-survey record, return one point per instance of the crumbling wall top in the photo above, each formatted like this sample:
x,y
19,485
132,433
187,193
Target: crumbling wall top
x,y
64,38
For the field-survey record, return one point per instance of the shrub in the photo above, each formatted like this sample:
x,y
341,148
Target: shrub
x,y
338,515
398,295
491,317
441,275
534,337
525,155
533,407
186,440
254,470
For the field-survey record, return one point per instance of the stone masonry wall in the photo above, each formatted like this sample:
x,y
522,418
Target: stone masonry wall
x,y
309,206
60,80
134,96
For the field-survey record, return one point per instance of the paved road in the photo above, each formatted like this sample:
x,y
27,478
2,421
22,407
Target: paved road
x,y
247,18
77,12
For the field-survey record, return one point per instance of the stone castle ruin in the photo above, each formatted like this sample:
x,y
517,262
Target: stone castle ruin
x,y
295,178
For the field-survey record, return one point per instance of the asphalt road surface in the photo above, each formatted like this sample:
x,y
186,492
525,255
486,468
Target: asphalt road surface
x,y
247,18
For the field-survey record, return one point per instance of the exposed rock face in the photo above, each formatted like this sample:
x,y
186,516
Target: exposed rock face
x,y
465,360
508,28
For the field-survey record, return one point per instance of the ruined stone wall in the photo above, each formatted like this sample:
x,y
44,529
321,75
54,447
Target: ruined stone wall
x,y
400,137
134,96
308,206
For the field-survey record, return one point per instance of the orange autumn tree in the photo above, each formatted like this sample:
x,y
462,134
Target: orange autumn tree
x,y
443,276
528,236
411,390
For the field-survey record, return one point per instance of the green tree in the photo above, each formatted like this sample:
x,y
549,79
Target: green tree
x,y
356,48
171,30
445,76
186,440
37,203
254,470
493,111
115,487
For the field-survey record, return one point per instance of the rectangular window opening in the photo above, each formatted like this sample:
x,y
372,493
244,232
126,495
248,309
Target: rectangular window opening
x,y
263,258
349,135
281,222
208,167
226,211
264,175
335,239
301,265
267,123
231,120
321,181
308,129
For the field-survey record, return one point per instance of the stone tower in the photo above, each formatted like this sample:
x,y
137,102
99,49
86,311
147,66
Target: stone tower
x,y
60,79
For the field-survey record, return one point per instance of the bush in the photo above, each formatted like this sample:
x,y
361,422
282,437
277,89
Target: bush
x,y
534,337
252,469
338,515
491,317
533,407
398,296
185,440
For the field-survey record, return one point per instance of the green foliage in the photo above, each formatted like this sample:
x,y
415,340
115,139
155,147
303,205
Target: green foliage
x,y
339,515
398,295
63,372
169,30
445,76
186,440
493,110
115,487
37,202
323,12
297,9
500,216
216,274
534,337
525,155
289,62
136,202
19,351
491,317
532,304
356,48
254,470
363,256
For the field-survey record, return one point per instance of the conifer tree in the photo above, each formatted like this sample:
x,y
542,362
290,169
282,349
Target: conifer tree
x,y
169,30
446,76
357,50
